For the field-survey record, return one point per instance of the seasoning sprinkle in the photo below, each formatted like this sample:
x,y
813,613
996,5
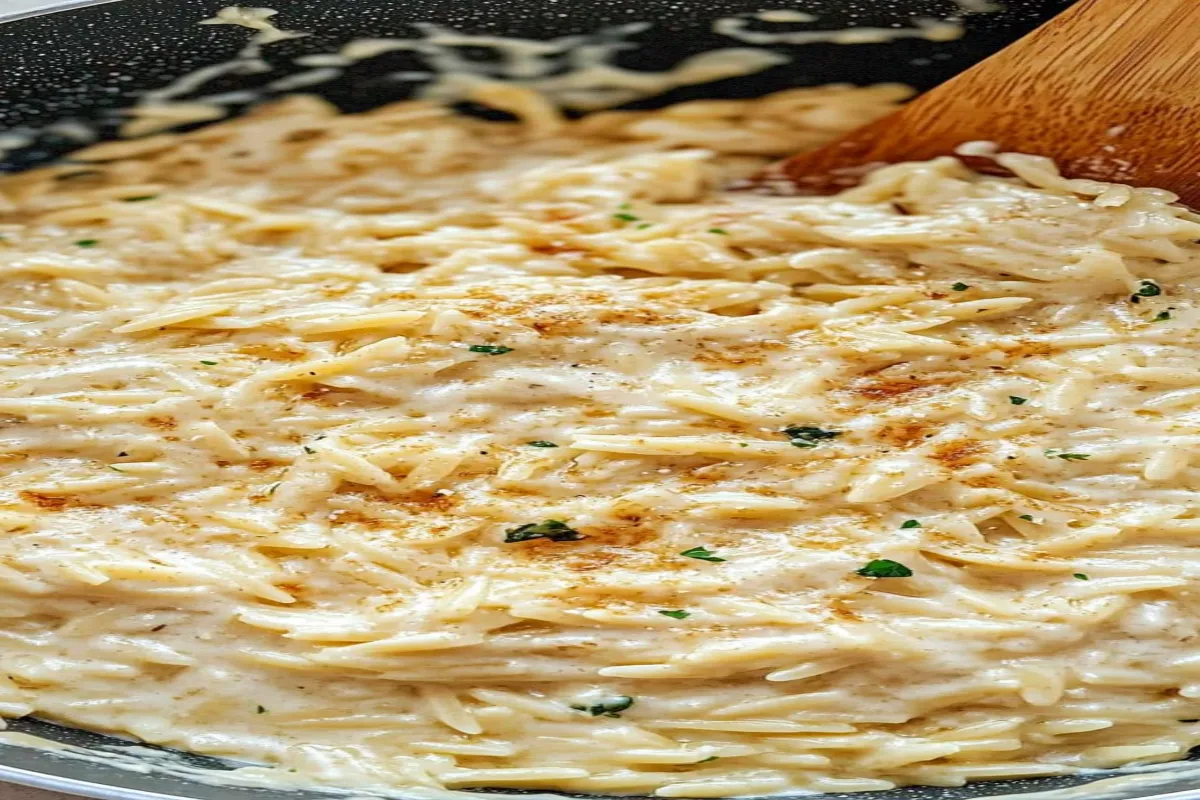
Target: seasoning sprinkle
x,y
676,614
541,443
623,217
1080,576
209,363
960,287
909,523
1017,401
87,242
490,349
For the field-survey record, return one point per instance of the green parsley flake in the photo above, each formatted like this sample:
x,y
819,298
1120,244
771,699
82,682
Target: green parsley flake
x,y
273,487
1017,401
623,217
719,231
262,710
541,443
553,529
625,206
609,708
909,523
490,349
884,568
139,198
676,614
1073,456
1148,289
87,242
714,758
1026,517
209,363
309,450
808,436
1081,577
702,553
644,225
1162,316
960,287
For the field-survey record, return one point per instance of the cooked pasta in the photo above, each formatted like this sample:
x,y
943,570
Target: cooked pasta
x,y
407,449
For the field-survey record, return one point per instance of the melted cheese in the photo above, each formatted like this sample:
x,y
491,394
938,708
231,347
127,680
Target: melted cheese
x,y
278,396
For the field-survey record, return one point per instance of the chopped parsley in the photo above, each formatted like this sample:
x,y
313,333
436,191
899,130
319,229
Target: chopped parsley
x,y
624,217
541,443
490,349
1073,456
808,436
262,710
1017,401
87,242
884,568
676,614
158,628
271,489
960,287
642,226
1147,289
1079,576
909,523
309,450
625,206
553,529
115,469
702,553
1026,517
719,231
139,198
714,758
209,363
609,708
122,454
1162,316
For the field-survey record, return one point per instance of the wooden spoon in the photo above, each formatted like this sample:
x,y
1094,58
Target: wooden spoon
x,y
1110,89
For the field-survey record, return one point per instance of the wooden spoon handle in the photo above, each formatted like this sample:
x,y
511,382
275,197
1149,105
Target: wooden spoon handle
x,y
1109,88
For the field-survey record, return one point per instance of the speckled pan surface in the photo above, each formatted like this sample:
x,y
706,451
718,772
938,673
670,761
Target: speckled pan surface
x,y
87,61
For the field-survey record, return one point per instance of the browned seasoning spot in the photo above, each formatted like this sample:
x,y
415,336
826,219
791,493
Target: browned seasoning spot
x,y
890,388
162,423
260,464
317,392
959,453
1027,349
904,434
275,352
47,501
